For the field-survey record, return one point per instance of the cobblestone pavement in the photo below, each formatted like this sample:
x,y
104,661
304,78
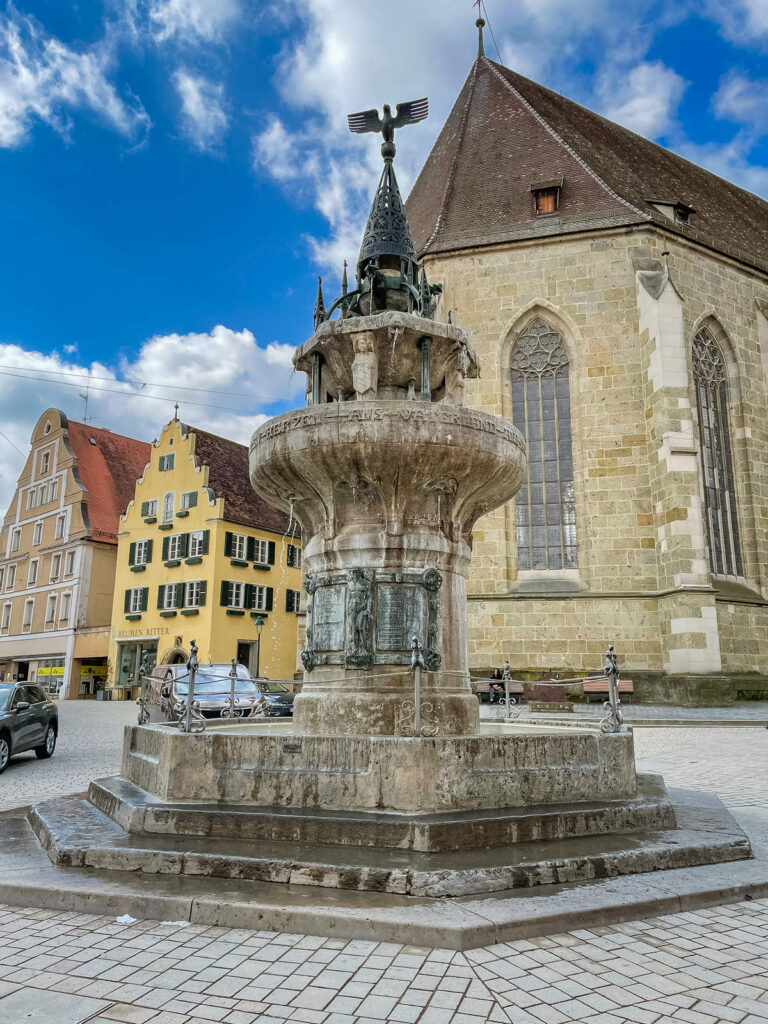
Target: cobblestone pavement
x,y
699,967
89,747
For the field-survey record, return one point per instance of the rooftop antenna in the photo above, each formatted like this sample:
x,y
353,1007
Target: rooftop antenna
x,y
480,23
85,399
176,410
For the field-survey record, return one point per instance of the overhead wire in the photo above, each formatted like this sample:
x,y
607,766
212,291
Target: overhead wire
x,y
490,29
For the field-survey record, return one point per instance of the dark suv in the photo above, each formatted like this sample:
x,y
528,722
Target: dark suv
x,y
28,721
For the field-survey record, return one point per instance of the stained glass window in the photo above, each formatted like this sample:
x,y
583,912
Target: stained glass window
x,y
541,410
716,456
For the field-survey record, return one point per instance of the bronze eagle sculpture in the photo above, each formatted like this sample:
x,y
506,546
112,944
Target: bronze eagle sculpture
x,y
407,113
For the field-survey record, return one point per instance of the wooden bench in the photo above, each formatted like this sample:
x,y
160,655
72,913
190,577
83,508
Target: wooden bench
x,y
599,688
483,690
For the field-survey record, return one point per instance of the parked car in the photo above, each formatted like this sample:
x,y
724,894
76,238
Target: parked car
x,y
28,721
279,698
166,693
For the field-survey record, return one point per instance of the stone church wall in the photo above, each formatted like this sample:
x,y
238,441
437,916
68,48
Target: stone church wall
x,y
639,518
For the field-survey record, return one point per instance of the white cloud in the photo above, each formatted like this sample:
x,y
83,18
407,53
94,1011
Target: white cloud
x,y
239,378
43,79
203,118
645,99
744,22
192,20
731,161
742,100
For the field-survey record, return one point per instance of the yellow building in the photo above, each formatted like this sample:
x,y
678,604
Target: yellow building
x,y
202,557
58,547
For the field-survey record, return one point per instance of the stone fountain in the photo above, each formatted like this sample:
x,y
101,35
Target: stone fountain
x,y
386,779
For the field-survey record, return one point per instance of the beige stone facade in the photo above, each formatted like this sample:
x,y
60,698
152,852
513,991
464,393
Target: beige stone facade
x,y
627,314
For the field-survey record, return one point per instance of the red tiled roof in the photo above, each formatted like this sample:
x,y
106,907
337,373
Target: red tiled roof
x,y
229,478
108,467
507,133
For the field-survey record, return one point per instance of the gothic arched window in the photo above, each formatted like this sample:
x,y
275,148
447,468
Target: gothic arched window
x,y
710,377
541,411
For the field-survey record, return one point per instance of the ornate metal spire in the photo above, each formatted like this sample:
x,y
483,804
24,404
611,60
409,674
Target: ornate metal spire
x,y
480,44
319,314
344,283
387,232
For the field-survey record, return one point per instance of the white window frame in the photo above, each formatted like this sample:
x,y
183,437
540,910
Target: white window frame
x,y
5,622
142,550
196,543
42,494
239,546
45,462
61,526
31,498
28,616
55,567
152,505
51,605
2,576
259,598
37,533
134,605
174,547
261,552
69,562
297,557
192,594
15,538
163,463
184,500
169,597
10,582
169,506
54,490
65,606
33,572
236,594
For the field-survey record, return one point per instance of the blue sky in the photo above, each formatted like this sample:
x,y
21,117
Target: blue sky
x,y
175,173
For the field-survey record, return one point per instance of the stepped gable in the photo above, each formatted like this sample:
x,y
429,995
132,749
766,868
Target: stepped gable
x,y
506,133
228,477
108,466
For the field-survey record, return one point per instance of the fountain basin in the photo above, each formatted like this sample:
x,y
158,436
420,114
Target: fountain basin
x,y
504,766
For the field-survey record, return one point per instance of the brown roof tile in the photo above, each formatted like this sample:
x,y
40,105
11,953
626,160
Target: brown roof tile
x,y
108,466
506,132
229,479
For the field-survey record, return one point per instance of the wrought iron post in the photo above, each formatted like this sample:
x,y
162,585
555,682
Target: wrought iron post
x,y
259,623
191,720
426,368
232,682
613,718
417,664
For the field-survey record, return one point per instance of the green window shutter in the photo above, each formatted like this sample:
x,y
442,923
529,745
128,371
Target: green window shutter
x,y
184,543
206,541
132,553
149,550
192,499
203,591
127,602
250,548
290,558
161,463
161,595
179,595
225,591
289,599
166,541
271,555
270,594
144,509
249,595
170,461
228,544
144,598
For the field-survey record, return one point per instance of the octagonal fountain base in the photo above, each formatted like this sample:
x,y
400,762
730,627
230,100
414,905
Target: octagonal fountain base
x,y
514,807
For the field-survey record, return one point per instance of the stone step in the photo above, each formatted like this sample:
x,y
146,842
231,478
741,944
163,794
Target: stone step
x,y
135,810
77,834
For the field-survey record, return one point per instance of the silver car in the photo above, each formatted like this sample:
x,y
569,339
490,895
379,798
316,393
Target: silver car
x,y
165,690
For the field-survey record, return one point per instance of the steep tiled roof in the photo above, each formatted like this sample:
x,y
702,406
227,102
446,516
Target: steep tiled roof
x,y
506,133
228,477
109,466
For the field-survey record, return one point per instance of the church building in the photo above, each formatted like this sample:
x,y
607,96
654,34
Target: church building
x,y
617,298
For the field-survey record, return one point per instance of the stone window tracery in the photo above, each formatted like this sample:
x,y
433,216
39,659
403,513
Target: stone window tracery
x,y
541,410
710,377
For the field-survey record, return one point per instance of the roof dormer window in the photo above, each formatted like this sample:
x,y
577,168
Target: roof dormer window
x,y
546,196
673,209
